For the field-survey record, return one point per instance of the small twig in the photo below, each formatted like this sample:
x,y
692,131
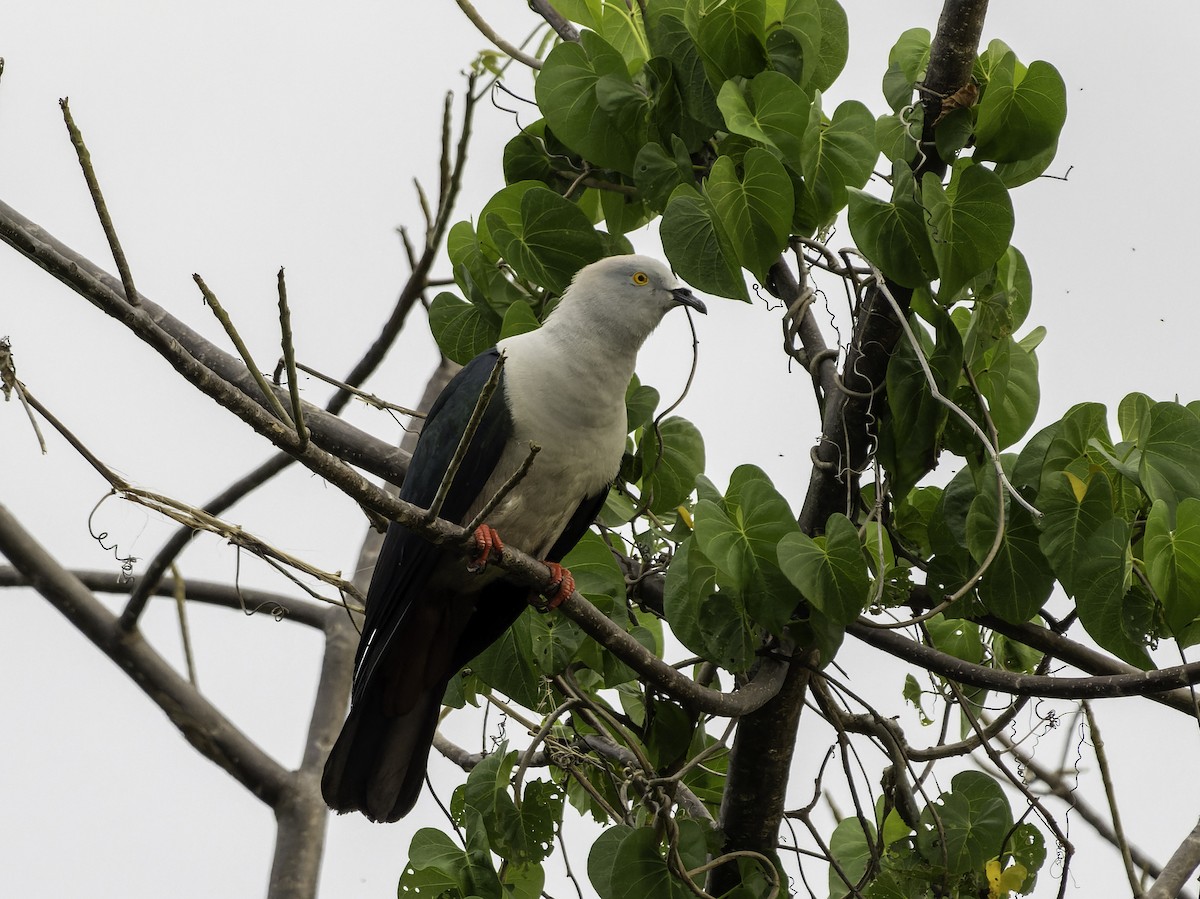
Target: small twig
x,y
190,516
490,33
460,452
110,232
180,591
369,398
538,738
9,384
227,323
289,360
1111,796
505,489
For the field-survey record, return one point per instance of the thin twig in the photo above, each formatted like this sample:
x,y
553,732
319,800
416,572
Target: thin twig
x,y
505,489
1111,796
460,452
110,232
369,398
184,633
9,384
490,33
244,351
289,360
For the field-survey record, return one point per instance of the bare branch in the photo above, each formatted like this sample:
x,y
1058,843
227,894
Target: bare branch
x,y
289,361
199,721
211,593
198,360
110,231
214,304
490,33
1139,683
554,19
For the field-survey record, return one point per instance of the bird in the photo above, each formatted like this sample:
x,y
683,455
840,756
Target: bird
x,y
430,608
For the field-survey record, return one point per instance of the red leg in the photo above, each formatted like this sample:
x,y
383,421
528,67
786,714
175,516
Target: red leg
x,y
560,588
487,542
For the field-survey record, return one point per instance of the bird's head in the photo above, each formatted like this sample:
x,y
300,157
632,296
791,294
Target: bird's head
x,y
624,296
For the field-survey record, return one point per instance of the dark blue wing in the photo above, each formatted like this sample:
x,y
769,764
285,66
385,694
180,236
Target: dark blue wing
x,y
406,560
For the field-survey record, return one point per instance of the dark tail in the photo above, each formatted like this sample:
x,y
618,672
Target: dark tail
x,y
377,765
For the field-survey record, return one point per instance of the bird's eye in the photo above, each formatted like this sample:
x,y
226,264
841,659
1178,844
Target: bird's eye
x,y
641,278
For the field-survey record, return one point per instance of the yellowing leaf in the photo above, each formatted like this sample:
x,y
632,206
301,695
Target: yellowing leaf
x,y
1078,487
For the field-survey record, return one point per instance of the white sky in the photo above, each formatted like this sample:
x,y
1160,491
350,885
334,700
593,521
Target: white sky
x,y
232,138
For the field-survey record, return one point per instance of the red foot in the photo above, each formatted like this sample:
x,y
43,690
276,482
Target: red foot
x,y
487,543
560,588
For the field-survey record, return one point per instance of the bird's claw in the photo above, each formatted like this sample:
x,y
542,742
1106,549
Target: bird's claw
x,y
487,543
558,590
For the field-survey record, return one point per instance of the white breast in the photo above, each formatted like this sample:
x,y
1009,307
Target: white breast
x,y
573,407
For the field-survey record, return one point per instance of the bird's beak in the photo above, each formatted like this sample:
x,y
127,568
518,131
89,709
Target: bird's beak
x,y
685,297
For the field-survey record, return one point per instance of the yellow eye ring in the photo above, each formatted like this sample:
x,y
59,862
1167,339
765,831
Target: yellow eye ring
x,y
641,278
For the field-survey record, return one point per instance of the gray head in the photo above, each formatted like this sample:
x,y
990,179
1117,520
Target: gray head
x,y
623,296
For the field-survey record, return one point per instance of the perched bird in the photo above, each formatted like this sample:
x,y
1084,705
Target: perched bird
x,y
429,612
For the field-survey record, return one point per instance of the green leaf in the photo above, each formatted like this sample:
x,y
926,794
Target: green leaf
x,y
518,319
1105,574
670,38
590,102
740,536
1018,580
1073,511
831,572
969,224
1169,440
834,157
669,477
892,234
731,38
957,637
462,330
1022,111
1011,389
713,625
697,246
626,862
438,865
756,209
1132,411
1172,558
907,62
850,844
973,820
777,115
553,241
509,664
821,68
657,174
911,434
597,574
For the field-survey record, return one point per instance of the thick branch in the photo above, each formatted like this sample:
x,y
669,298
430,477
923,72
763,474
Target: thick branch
x,y
1136,683
302,816
186,350
209,592
1178,868
656,673
201,723
845,445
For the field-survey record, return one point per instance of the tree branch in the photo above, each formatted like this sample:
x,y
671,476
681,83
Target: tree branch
x,y
208,592
198,360
199,721
768,736
1137,683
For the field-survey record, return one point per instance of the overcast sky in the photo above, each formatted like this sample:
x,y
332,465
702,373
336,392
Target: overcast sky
x,y
232,138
